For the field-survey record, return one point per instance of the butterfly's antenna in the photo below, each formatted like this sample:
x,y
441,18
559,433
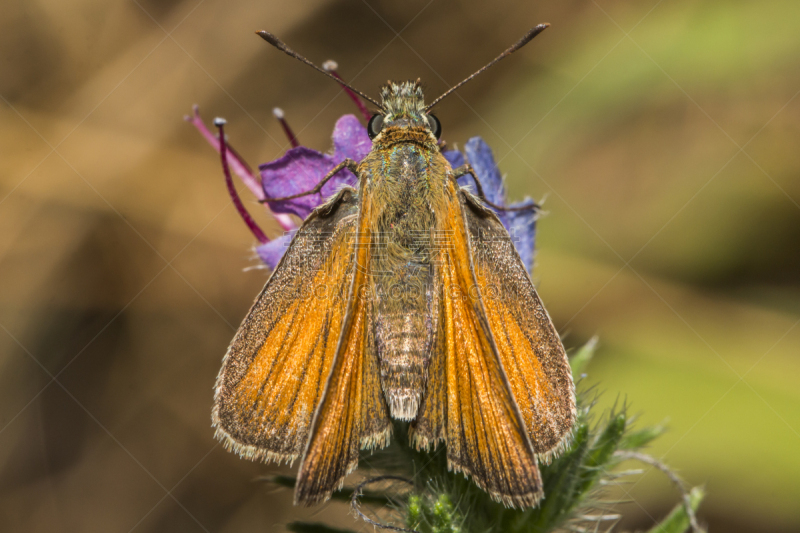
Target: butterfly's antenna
x,y
533,32
280,45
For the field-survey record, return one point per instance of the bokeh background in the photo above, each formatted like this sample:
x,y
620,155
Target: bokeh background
x,y
663,134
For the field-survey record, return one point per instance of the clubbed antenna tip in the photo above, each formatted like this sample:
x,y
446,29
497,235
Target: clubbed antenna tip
x,y
533,32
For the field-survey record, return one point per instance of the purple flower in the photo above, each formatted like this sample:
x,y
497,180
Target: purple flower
x,y
302,168
271,252
521,225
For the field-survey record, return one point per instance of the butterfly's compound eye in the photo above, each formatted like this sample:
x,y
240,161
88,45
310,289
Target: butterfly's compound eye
x,y
375,125
435,125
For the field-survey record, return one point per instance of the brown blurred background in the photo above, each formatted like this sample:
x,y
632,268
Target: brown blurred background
x,y
663,133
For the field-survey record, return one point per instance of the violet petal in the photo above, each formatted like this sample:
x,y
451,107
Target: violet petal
x,y
301,169
481,158
271,252
298,171
456,159
521,226
350,139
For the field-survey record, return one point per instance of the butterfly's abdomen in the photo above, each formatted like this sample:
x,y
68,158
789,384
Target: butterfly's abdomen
x,y
402,277
402,334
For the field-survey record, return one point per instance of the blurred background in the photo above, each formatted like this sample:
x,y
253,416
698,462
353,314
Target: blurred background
x,y
662,133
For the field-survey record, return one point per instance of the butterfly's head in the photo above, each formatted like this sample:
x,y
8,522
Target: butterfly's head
x,y
403,108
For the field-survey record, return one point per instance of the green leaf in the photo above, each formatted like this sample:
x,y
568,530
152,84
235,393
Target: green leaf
x,y
561,479
606,444
581,359
444,516
440,517
677,521
415,512
641,437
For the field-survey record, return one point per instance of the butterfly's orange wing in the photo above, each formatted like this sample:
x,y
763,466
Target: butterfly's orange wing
x,y
278,364
527,342
469,401
352,413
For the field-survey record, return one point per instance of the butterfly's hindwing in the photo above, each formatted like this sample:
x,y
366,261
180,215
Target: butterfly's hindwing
x,y
527,342
352,413
469,403
272,377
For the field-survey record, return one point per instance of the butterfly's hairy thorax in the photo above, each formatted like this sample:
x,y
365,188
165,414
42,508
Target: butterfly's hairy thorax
x,y
405,175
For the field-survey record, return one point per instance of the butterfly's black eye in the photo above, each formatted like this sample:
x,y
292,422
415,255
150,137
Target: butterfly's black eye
x,y
375,125
435,125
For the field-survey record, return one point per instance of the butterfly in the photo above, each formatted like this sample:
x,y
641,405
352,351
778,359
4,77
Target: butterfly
x,y
402,298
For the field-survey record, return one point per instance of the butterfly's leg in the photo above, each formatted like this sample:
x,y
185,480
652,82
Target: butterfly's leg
x,y
467,169
348,163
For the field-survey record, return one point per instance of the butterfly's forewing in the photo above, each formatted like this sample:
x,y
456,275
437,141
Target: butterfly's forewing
x,y
274,373
469,402
527,342
352,413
